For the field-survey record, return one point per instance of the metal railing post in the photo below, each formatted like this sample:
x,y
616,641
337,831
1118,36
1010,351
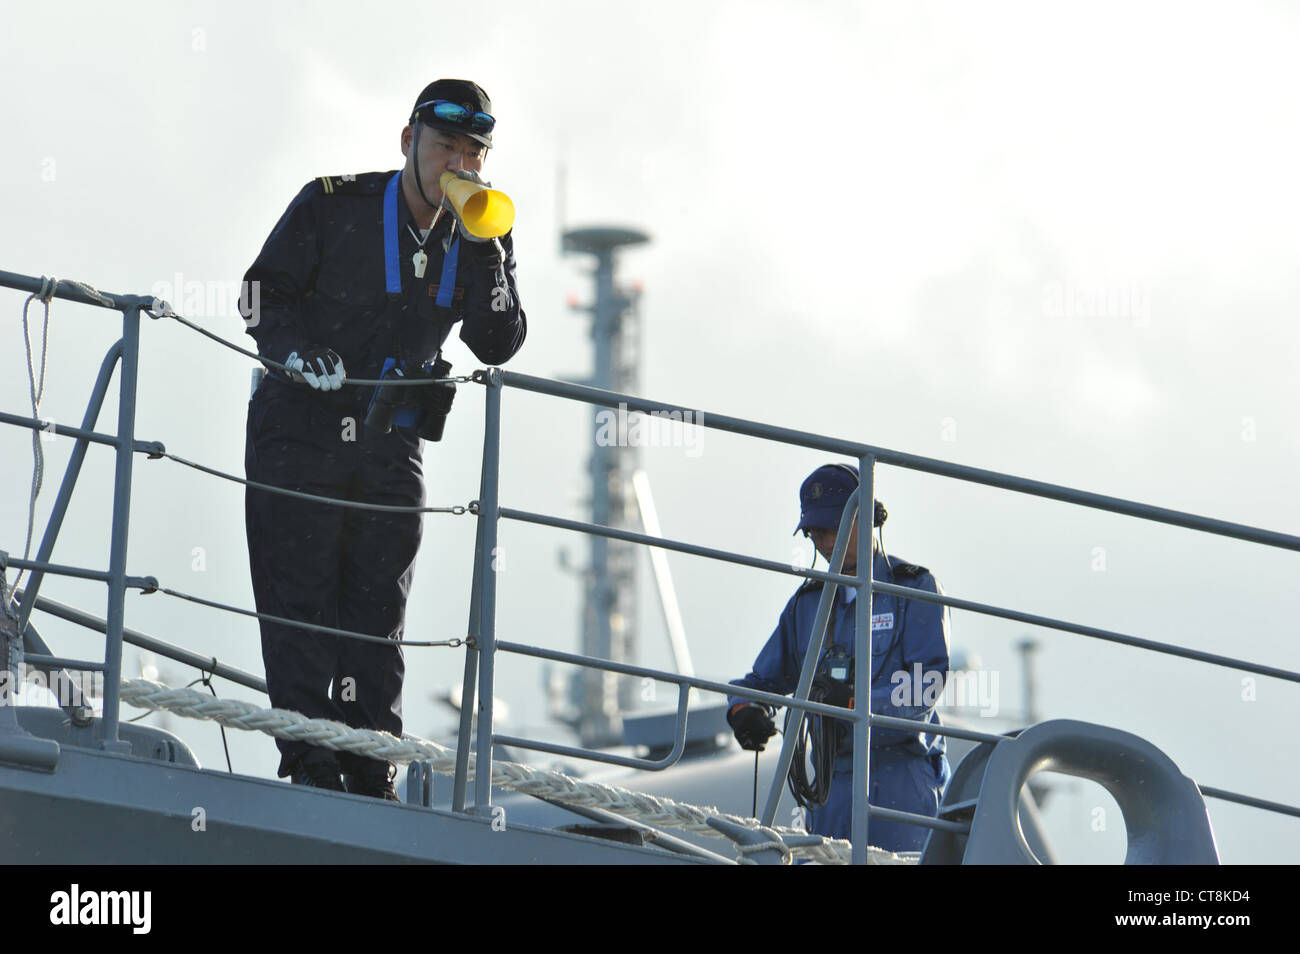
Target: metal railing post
x,y
811,657
55,523
116,615
863,660
11,651
488,515
467,697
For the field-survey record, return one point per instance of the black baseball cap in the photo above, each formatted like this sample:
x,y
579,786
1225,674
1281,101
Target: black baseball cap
x,y
462,92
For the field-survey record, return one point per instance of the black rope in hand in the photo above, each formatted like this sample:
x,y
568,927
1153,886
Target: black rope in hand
x,y
821,732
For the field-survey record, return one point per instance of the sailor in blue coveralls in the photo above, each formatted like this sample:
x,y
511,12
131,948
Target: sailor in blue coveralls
x,y
364,273
908,770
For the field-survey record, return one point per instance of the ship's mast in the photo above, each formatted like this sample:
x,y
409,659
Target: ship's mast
x,y
609,599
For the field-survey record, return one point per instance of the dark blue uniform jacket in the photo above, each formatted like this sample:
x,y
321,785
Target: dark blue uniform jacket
x,y
322,283
906,633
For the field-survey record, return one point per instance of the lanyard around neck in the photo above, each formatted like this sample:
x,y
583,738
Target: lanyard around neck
x,y
392,259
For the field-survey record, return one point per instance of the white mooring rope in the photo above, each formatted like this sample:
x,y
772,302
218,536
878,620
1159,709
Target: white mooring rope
x,y
36,386
513,776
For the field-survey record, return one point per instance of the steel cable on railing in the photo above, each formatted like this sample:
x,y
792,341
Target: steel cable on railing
x,y
46,293
300,624
163,310
457,509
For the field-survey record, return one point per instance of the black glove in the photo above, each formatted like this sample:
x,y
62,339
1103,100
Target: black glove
x,y
319,367
752,725
833,692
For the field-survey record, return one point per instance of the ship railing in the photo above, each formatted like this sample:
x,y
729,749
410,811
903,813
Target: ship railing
x,y
480,657
482,644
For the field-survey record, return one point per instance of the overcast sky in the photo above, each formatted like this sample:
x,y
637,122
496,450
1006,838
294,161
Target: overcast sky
x,y
1050,239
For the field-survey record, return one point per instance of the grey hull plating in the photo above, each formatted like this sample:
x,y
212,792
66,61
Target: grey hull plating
x,y
105,808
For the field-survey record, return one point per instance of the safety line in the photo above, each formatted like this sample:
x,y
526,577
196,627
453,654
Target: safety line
x,y
303,495
272,363
298,624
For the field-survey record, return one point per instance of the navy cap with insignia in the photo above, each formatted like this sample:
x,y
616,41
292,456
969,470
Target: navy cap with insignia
x,y
823,496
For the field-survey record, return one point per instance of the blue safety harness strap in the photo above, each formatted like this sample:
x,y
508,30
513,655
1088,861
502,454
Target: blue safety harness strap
x,y
404,415
409,416
447,283
392,268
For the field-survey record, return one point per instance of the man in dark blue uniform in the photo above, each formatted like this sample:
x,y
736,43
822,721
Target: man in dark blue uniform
x,y
362,274
908,770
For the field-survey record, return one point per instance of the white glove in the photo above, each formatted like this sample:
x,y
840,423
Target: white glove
x,y
320,367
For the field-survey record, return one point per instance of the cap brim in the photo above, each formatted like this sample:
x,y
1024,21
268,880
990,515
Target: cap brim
x,y
820,520
484,138
816,525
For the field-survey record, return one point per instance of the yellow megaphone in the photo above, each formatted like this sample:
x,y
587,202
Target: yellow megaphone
x,y
485,212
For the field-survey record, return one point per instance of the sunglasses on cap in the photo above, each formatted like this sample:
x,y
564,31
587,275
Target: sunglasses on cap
x,y
457,115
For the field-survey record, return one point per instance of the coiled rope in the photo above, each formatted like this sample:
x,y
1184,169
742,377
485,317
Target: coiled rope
x,y
512,776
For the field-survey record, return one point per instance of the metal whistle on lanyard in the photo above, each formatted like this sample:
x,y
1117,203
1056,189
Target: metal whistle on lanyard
x,y
420,261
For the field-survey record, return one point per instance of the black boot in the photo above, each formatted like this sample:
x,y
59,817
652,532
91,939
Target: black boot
x,y
319,768
374,779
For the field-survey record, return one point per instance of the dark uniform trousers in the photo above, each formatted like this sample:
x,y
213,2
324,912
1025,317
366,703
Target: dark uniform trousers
x,y
324,281
334,566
